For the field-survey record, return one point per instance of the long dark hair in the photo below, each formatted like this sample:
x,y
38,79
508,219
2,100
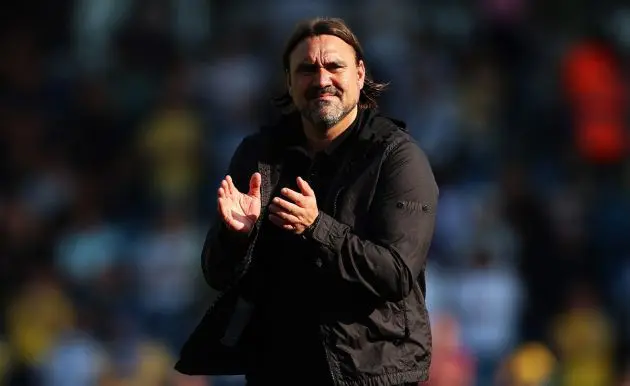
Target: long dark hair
x,y
335,27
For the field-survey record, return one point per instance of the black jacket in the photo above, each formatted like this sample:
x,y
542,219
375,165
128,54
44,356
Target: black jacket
x,y
369,247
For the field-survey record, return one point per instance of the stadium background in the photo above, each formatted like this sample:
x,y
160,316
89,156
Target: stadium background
x,y
119,116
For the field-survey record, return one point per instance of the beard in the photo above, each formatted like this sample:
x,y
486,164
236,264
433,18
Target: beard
x,y
326,113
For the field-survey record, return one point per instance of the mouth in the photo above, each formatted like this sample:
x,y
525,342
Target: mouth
x,y
324,97
323,94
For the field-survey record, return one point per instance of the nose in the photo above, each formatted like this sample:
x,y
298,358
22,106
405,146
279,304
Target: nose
x,y
322,78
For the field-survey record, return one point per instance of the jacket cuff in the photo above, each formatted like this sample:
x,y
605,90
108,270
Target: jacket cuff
x,y
326,231
308,232
237,241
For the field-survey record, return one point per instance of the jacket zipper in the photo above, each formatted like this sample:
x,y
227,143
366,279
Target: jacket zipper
x,y
406,320
404,307
311,176
312,171
335,199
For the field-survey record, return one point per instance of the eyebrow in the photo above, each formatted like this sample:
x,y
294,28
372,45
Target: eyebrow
x,y
308,65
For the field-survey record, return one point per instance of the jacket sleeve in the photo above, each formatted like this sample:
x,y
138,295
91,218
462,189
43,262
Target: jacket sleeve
x,y
388,258
223,248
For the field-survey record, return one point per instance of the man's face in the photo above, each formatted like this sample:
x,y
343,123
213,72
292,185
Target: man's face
x,y
325,80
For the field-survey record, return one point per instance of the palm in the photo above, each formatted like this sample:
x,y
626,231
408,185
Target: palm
x,y
240,211
244,210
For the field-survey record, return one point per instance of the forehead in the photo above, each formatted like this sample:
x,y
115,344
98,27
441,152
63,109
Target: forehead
x,y
322,48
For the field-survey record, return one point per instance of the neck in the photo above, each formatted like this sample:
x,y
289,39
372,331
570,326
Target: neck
x,y
319,139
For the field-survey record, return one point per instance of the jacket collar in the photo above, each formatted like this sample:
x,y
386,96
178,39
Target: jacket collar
x,y
288,127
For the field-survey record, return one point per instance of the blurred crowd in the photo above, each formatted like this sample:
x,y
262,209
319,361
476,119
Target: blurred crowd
x,y
118,119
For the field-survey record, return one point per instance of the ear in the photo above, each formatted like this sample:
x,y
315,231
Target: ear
x,y
361,73
288,81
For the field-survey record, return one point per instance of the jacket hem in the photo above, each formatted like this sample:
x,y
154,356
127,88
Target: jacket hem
x,y
390,379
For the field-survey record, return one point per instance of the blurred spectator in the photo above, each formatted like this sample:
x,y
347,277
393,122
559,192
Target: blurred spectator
x,y
36,317
90,247
24,246
94,24
76,358
452,364
488,301
540,268
170,139
532,364
49,191
165,264
134,359
229,86
584,339
434,116
597,99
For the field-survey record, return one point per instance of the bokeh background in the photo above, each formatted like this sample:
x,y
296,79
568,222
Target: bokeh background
x,y
118,119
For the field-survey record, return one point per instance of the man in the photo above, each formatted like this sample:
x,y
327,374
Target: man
x,y
326,219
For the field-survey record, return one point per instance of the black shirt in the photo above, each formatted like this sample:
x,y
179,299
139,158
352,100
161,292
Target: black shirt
x,y
283,272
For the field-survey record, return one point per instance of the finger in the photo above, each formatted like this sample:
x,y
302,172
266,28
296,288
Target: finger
x,y
305,187
230,183
286,206
221,192
280,222
254,185
292,195
283,214
227,187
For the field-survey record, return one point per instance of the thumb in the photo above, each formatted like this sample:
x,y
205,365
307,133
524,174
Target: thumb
x,y
254,185
305,187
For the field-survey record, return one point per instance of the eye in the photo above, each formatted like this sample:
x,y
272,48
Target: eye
x,y
335,67
306,68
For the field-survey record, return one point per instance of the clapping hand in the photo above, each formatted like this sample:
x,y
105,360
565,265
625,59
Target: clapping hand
x,y
296,213
240,211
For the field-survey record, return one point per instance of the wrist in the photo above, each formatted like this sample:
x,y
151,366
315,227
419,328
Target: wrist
x,y
308,232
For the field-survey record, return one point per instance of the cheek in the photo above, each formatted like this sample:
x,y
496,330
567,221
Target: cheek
x,y
298,92
348,83
350,89
301,86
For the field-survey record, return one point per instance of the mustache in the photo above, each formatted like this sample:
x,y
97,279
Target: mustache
x,y
316,92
